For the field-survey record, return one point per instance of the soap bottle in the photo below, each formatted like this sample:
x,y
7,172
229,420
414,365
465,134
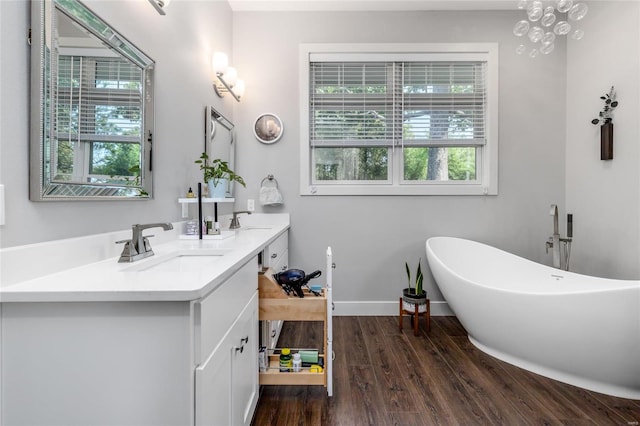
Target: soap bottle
x,y
297,363
190,193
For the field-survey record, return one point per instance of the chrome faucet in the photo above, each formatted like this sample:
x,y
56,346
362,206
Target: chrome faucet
x,y
138,246
235,222
555,240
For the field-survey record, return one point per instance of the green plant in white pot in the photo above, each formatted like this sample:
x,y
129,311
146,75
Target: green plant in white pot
x,y
414,294
217,174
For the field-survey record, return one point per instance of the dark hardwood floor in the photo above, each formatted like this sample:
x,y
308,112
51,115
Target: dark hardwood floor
x,y
386,377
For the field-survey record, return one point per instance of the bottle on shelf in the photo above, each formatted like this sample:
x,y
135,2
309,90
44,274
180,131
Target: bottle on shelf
x,y
285,360
192,227
297,363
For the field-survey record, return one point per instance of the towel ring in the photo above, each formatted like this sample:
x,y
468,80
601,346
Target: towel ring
x,y
269,178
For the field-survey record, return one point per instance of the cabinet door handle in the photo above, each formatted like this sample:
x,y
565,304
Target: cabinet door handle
x,y
273,334
274,255
243,341
284,268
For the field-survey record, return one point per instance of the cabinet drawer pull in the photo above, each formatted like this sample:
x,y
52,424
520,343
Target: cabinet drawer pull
x,y
284,268
243,341
274,255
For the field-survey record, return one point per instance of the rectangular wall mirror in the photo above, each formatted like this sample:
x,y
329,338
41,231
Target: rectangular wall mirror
x,y
219,140
91,108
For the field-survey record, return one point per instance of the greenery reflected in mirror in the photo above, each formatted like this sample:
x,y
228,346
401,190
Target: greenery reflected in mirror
x,y
92,108
219,140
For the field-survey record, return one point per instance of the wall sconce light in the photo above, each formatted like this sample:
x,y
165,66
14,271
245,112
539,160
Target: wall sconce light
x,y
160,5
227,76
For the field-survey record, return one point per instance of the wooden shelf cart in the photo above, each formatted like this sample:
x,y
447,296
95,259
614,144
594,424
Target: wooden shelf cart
x,y
275,304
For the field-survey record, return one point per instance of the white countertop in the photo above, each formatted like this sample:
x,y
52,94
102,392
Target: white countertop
x,y
108,280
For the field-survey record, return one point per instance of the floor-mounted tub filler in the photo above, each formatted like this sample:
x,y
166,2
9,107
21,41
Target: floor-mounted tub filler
x,y
574,328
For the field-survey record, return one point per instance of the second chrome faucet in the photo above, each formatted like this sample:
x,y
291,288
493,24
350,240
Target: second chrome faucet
x,y
235,222
555,241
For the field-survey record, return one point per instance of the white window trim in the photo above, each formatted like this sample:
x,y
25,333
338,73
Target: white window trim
x,y
488,161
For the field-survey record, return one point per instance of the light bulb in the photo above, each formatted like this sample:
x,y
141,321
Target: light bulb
x,y
578,11
548,38
577,34
545,49
239,88
521,28
535,11
220,63
536,34
231,76
563,6
562,28
548,19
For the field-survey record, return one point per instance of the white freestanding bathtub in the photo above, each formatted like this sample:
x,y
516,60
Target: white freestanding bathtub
x,y
578,329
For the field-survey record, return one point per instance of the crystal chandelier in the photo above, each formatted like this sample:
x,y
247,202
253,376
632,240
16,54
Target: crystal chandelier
x,y
546,21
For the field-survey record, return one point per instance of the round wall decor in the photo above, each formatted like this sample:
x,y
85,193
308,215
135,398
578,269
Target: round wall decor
x,y
268,128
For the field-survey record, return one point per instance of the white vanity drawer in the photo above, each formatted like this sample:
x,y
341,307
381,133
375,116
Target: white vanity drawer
x,y
216,312
282,262
276,250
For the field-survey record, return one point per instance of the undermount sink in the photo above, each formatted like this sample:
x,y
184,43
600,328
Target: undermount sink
x,y
255,228
179,261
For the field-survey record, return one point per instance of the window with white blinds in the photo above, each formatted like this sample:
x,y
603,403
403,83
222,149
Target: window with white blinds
x,y
443,103
352,104
416,122
99,118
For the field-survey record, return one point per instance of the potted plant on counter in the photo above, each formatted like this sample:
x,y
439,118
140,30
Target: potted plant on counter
x,y
217,175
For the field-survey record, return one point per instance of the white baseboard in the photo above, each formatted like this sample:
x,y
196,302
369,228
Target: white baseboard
x,y
362,309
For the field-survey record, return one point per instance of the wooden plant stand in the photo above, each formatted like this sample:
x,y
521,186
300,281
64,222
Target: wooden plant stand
x,y
415,315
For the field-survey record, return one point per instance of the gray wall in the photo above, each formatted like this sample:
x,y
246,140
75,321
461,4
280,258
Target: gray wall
x,y
604,196
371,237
544,150
181,43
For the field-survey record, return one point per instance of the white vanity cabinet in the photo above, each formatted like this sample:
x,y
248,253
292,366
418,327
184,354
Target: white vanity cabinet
x,y
226,380
276,257
277,253
226,383
134,362
168,340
